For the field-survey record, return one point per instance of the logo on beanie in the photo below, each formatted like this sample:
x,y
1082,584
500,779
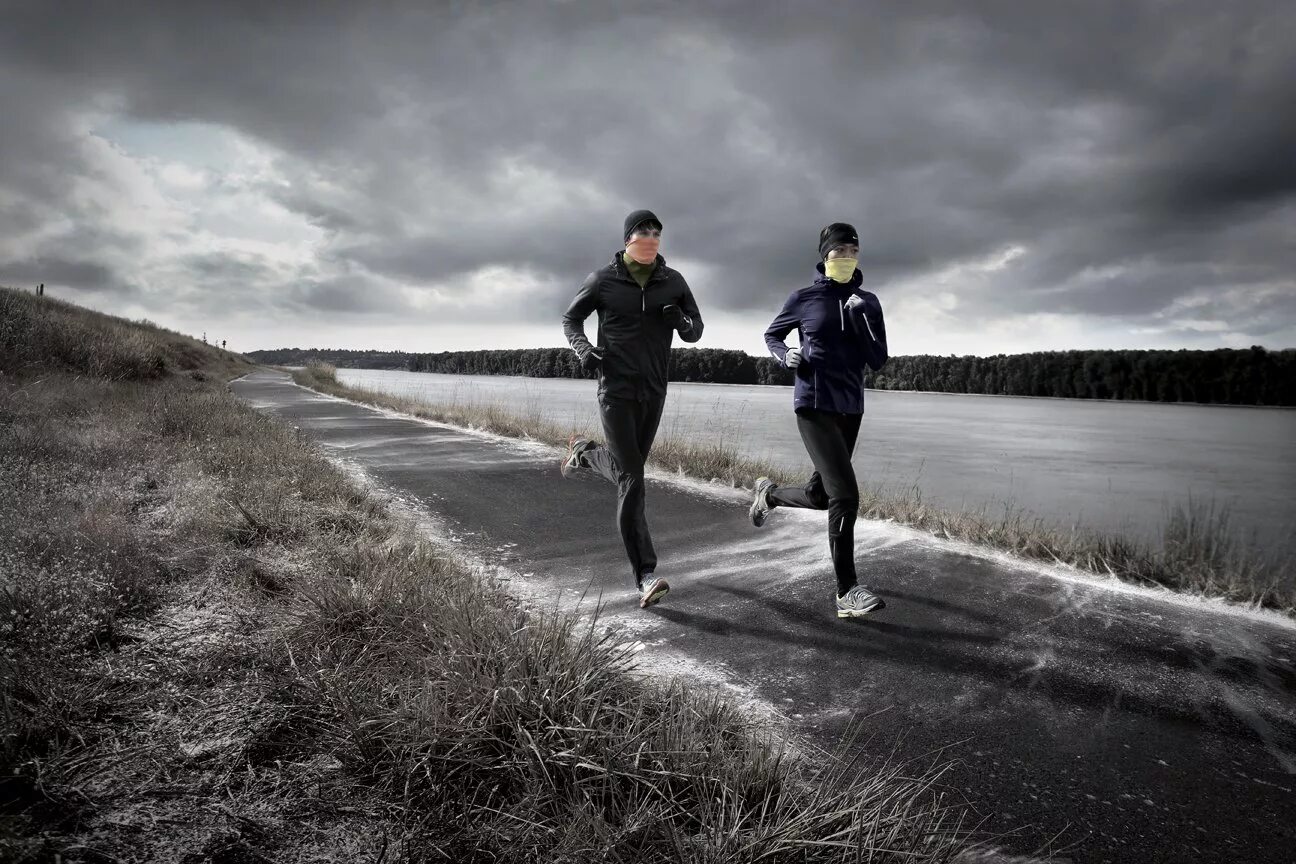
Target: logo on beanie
x,y
836,234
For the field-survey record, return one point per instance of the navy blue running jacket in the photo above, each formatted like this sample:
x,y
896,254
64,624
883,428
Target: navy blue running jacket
x,y
836,342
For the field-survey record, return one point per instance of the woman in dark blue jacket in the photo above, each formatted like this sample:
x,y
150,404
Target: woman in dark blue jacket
x,y
841,331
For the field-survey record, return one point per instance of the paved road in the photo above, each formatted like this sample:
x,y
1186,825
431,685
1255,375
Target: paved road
x,y
1136,726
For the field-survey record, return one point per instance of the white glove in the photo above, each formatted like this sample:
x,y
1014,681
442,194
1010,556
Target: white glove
x,y
792,358
853,301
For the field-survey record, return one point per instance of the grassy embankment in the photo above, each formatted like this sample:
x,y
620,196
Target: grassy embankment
x,y
214,646
1199,552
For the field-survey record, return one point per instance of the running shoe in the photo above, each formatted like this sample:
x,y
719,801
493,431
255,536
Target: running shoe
x,y
575,447
761,506
652,589
858,602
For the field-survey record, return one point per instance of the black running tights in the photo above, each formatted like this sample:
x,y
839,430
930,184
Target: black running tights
x,y
830,440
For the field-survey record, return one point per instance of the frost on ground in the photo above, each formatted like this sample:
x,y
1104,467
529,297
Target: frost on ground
x,y
164,736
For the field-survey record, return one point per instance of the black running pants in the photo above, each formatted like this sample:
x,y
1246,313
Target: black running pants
x,y
629,427
830,440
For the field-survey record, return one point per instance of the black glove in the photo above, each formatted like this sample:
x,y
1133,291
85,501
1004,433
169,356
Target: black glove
x,y
673,316
592,359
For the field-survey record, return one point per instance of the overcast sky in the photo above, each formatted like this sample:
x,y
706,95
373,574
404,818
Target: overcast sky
x,y
1024,176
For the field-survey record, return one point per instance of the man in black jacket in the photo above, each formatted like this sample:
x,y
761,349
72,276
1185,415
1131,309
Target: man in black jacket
x,y
641,304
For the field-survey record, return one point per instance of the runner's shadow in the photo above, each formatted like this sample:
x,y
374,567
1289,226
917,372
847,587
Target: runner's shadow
x,y
852,632
1089,685
799,613
942,605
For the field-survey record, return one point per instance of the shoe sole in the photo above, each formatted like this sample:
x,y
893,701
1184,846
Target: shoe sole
x,y
755,513
566,466
860,613
655,596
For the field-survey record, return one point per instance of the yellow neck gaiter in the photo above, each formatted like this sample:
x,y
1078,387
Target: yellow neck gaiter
x,y
840,269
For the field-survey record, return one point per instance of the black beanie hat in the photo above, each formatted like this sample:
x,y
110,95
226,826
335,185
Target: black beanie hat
x,y
637,218
836,234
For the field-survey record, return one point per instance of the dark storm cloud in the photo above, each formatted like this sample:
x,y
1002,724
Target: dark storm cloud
x,y
349,295
223,268
1136,153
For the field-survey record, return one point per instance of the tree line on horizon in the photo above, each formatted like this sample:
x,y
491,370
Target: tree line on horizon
x,y
1249,376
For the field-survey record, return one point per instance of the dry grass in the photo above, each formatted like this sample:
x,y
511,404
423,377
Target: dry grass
x,y
216,647
137,652
1199,553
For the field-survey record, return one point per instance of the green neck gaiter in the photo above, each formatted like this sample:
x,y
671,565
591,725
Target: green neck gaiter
x,y
640,272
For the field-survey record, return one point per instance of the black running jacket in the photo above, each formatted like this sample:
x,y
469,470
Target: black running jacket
x,y
636,342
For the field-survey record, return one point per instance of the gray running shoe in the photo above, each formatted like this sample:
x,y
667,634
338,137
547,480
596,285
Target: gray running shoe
x,y
575,447
761,506
652,589
858,602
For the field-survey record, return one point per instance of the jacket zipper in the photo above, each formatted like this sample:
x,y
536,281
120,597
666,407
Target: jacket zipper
x,y
643,315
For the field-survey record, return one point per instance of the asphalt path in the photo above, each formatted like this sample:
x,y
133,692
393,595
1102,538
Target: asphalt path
x,y
1121,723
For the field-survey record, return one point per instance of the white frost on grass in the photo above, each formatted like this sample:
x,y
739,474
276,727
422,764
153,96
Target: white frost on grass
x,y
1083,579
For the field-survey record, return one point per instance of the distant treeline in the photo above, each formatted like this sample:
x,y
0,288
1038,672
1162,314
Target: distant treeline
x,y
1253,376
707,365
711,365
339,357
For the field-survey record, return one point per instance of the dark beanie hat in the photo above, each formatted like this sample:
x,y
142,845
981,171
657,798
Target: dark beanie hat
x,y
637,218
836,234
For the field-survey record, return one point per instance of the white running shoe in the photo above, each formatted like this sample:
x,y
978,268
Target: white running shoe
x,y
653,589
575,447
858,602
761,506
